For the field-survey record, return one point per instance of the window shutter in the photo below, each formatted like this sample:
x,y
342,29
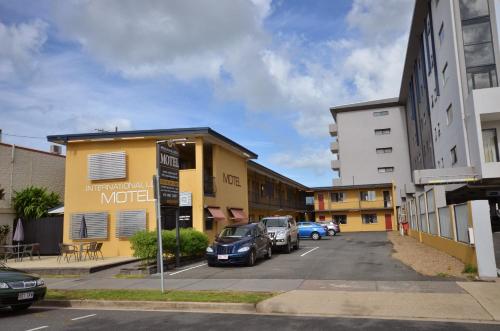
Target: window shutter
x,y
128,222
107,166
97,225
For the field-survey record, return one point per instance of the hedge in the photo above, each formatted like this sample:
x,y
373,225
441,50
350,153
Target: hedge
x,y
192,243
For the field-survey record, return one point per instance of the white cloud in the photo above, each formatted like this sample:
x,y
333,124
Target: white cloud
x,y
312,159
20,45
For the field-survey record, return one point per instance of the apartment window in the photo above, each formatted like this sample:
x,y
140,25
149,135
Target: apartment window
x,y
490,145
385,169
380,132
384,150
309,201
453,152
478,46
444,73
441,34
381,113
449,115
337,196
340,219
369,218
367,195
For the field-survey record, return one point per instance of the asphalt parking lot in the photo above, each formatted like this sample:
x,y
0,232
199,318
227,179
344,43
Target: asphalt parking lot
x,y
353,256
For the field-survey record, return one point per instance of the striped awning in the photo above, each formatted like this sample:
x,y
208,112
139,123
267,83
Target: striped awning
x,y
216,213
238,214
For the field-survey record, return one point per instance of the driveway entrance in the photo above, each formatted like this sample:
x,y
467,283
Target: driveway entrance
x,y
349,256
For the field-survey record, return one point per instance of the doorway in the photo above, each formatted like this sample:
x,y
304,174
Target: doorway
x,y
388,222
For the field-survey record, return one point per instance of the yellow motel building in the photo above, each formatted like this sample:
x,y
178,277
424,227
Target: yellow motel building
x,y
108,182
357,208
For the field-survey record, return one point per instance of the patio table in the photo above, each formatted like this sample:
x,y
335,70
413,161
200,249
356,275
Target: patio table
x,y
80,246
16,250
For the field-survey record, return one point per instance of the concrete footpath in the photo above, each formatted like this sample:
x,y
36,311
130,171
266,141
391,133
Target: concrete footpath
x,y
433,300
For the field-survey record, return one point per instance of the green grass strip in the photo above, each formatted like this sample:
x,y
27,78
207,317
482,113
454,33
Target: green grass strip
x,y
151,295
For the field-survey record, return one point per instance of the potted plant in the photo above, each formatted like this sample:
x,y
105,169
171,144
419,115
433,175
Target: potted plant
x,y
4,231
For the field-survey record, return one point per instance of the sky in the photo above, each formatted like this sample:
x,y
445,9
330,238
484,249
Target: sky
x,y
263,73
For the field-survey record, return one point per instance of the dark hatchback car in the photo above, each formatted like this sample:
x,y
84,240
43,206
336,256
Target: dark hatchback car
x,y
242,244
19,289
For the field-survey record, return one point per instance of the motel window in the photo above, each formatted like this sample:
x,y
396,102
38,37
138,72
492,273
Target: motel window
x,y
309,201
384,150
453,153
209,220
187,157
97,225
490,145
380,113
380,132
385,169
369,218
337,196
340,219
367,195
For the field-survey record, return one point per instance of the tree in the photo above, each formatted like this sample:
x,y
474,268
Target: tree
x,y
33,202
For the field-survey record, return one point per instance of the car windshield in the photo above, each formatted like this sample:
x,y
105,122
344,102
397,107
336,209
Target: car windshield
x,y
235,232
275,222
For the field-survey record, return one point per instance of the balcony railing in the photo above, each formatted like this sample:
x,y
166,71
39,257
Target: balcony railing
x,y
276,202
359,204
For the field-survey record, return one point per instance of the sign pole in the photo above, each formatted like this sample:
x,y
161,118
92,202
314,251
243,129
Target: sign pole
x,y
177,240
158,231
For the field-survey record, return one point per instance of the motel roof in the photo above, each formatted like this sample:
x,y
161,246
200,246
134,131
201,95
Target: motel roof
x,y
254,166
63,139
375,104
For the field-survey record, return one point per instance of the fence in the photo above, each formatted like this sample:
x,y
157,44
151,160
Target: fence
x,y
48,232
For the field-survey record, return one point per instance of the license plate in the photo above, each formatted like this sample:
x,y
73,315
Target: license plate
x,y
223,257
25,296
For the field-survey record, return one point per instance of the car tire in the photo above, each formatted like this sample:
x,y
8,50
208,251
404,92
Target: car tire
x,y
331,232
21,307
269,252
315,236
212,264
297,244
251,258
288,247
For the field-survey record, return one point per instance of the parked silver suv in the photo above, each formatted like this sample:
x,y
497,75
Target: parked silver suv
x,y
283,232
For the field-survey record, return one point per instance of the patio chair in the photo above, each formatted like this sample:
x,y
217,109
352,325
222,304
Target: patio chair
x,y
89,250
6,253
30,249
95,250
66,251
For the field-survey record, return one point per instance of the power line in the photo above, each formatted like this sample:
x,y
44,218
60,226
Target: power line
x,y
20,136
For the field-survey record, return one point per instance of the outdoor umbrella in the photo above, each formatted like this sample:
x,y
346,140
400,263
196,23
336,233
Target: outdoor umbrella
x,y
83,228
18,235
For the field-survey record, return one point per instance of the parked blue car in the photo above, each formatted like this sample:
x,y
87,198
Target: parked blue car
x,y
311,230
242,244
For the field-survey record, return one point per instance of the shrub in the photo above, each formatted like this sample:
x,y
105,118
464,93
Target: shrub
x,y
469,269
192,243
34,202
144,245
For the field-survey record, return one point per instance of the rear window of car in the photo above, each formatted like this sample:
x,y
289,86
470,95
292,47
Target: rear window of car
x,y
275,222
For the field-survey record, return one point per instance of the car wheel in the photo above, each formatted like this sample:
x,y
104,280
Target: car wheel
x,y
212,264
331,232
315,236
21,307
297,243
269,253
251,258
288,247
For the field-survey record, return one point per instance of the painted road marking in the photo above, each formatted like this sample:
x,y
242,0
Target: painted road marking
x,y
309,251
82,317
178,272
38,328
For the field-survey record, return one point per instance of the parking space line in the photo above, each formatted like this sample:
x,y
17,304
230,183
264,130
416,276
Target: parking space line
x,y
82,317
178,272
39,328
309,251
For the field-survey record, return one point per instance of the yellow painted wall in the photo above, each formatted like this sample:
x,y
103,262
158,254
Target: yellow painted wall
x,y
463,252
227,195
141,165
352,199
354,220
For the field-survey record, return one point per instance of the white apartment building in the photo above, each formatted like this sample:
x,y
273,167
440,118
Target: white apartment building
x,y
450,101
373,130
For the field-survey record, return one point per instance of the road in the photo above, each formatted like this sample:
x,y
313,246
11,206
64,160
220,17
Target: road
x,y
352,256
80,319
